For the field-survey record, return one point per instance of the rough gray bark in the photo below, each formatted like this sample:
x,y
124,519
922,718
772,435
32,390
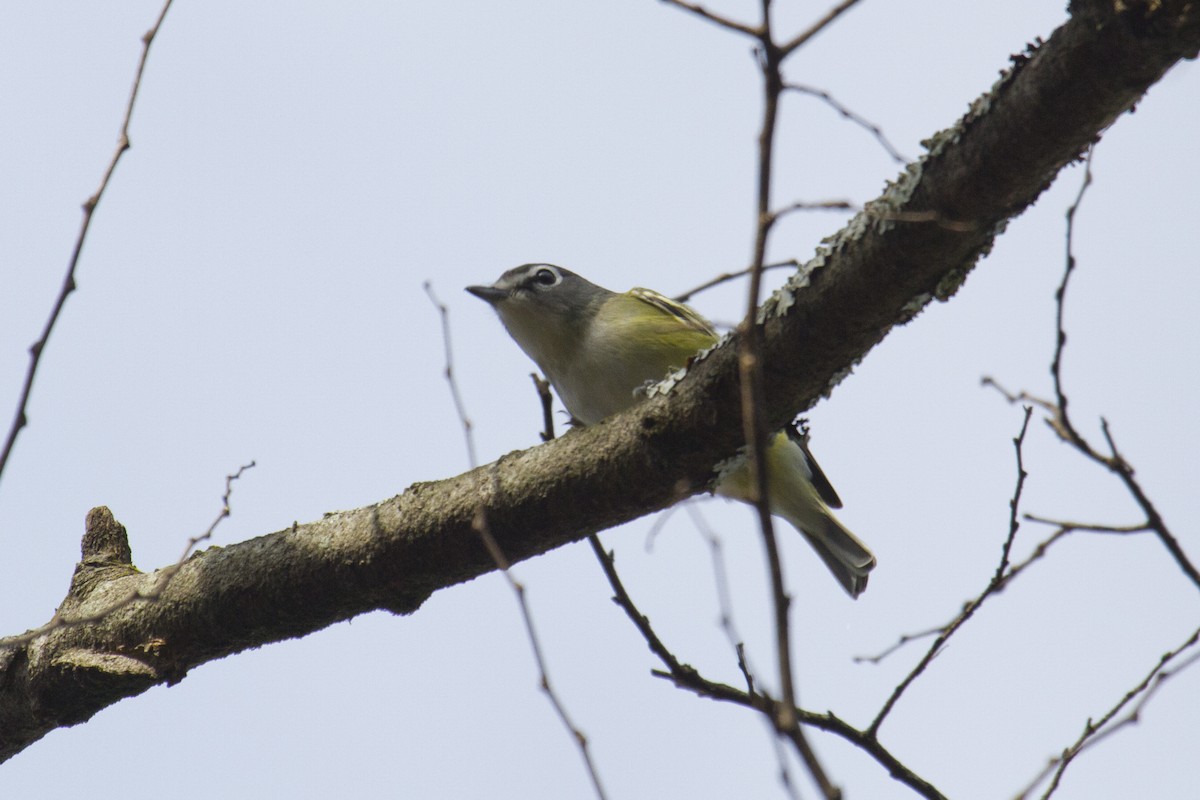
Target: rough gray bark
x,y
915,243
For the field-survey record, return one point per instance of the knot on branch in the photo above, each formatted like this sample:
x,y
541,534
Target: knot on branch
x,y
105,553
105,542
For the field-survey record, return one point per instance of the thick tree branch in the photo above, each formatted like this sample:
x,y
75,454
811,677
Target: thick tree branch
x,y
878,273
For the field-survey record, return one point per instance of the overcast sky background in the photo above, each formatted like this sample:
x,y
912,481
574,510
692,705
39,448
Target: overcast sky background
x,y
251,289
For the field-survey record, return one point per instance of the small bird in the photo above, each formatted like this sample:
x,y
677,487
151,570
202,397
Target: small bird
x,y
599,348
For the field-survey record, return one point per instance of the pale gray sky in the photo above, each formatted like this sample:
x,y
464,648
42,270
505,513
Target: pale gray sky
x,y
251,289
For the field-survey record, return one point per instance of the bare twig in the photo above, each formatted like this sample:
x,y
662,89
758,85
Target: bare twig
x,y
640,620
846,113
771,56
1018,397
1097,731
660,522
812,205
1070,527
448,374
1059,418
725,604
899,643
785,774
687,677
543,389
20,419
481,526
1060,297
724,22
1014,504
729,276
196,541
915,217
724,596
750,372
1038,553
999,579
824,22
1154,519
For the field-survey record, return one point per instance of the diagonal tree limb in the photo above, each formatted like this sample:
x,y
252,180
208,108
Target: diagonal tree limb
x,y
879,272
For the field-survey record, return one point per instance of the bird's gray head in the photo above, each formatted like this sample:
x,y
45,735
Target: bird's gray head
x,y
542,296
547,310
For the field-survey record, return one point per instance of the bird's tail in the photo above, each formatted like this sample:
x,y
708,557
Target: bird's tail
x,y
846,557
795,495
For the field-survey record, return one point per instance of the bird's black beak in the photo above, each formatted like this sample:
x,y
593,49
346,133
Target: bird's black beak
x,y
490,294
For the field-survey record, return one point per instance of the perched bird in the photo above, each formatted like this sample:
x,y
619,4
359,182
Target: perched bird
x,y
598,348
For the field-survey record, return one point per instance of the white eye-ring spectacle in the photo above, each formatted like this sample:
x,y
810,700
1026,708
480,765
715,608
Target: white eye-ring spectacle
x,y
547,276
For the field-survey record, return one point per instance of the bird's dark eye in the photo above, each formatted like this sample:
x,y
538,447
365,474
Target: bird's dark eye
x,y
547,277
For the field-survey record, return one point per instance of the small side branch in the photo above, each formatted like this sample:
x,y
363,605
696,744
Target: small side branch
x,y
1096,731
824,22
846,113
20,418
717,19
482,527
547,400
725,277
688,677
999,579
1058,414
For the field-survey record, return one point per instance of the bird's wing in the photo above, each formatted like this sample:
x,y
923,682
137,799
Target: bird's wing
x,y
824,488
677,310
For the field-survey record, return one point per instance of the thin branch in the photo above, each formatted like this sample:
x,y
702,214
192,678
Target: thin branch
x,y
785,774
999,579
750,372
783,713
1060,297
930,217
750,375
898,644
1088,526
1038,553
20,419
1059,418
448,374
729,276
725,604
724,22
1014,504
801,38
481,526
543,389
724,596
1114,463
225,512
687,677
813,205
639,620
1095,732
846,113
1154,519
